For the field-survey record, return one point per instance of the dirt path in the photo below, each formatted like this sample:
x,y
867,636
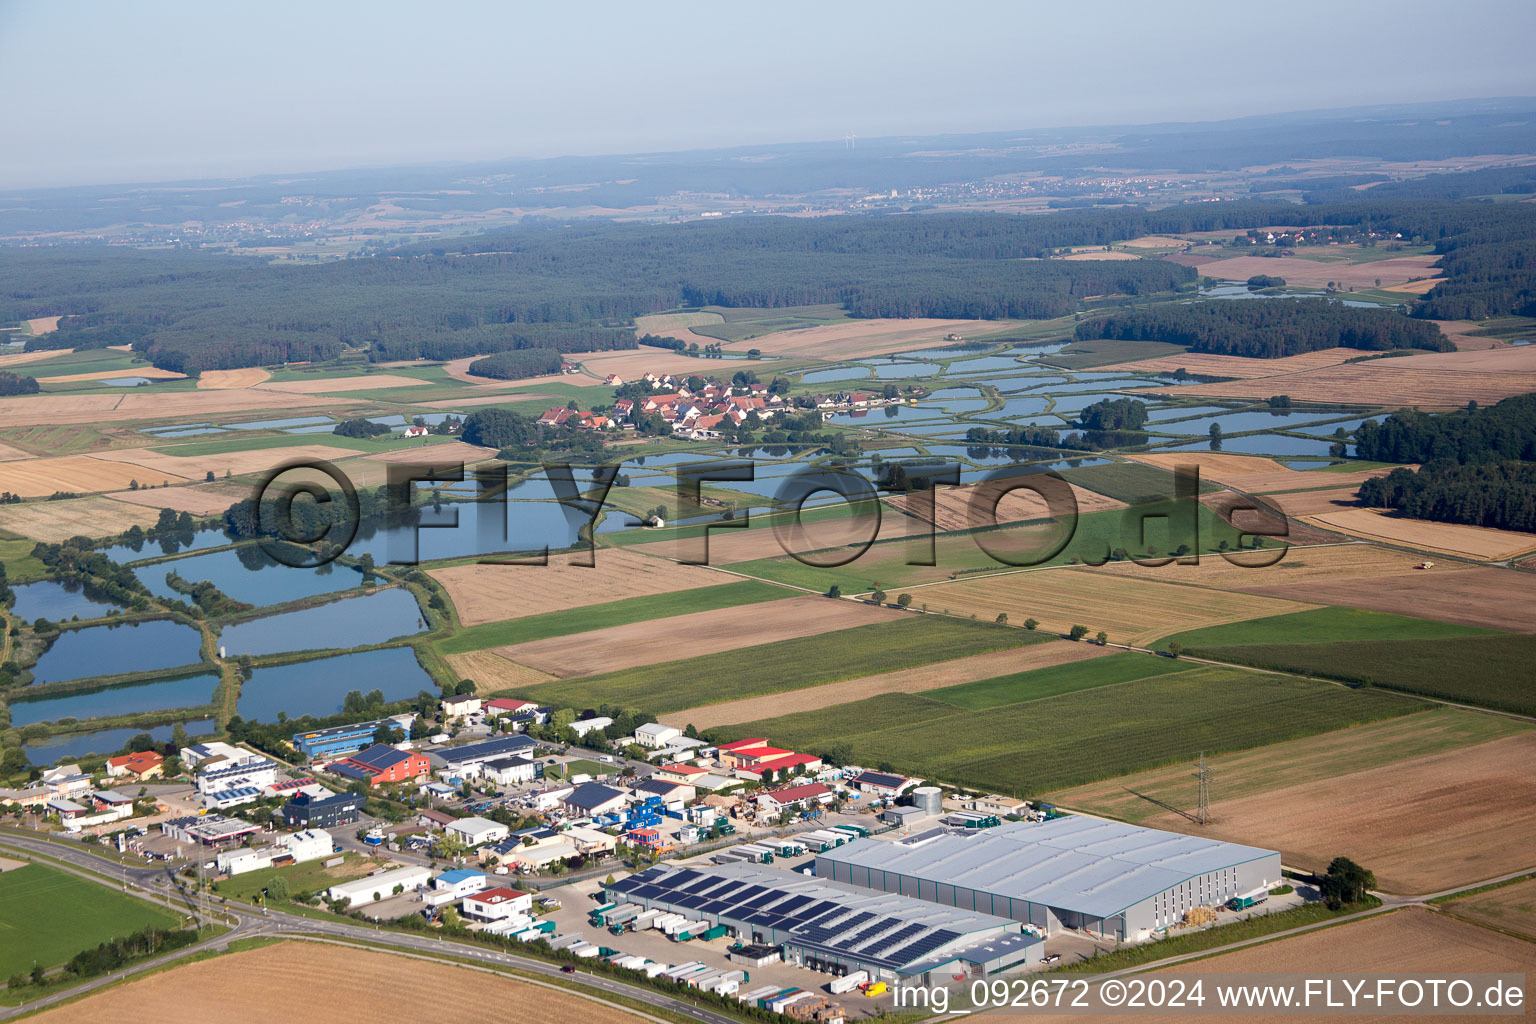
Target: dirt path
x,y
907,680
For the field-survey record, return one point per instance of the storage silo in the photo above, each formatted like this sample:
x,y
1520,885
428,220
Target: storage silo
x,y
929,798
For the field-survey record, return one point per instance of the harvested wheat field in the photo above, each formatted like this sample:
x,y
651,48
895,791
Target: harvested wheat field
x,y
630,363
447,453
95,516
692,635
221,380
1253,515
82,474
759,540
491,593
1130,611
492,673
44,324
1479,542
1423,824
863,337
1461,334
328,385
1298,270
1155,242
251,460
23,358
1413,940
456,404
1303,566
9,452
1101,254
1417,287
1471,595
1511,908
36,410
1257,474
198,499
1239,367
1439,380
1310,503
906,680
152,372
321,983
952,506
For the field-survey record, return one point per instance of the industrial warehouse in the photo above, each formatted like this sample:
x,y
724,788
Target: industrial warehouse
x,y
835,928
1105,878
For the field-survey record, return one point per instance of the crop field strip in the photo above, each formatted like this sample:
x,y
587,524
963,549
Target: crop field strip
x,y
699,634
613,613
1470,595
1041,746
993,665
786,665
1131,611
1509,908
319,983
1479,542
1403,793
495,593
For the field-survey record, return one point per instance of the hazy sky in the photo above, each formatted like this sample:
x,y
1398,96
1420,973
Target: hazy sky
x,y
104,92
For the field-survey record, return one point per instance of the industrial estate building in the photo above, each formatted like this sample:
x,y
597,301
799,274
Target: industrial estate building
x,y
340,740
1117,881
832,927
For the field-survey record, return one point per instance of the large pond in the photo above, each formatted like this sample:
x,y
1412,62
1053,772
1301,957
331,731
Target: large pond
x,y
191,692
56,602
1237,422
1260,444
72,746
891,371
888,413
247,574
319,687
168,545
350,622
116,649
836,373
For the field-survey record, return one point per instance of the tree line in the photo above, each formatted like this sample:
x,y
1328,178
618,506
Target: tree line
x,y
516,364
1503,431
1268,330
1497,494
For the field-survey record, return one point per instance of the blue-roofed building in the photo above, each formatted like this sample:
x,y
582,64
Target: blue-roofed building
x,y
340,740
458,883
1110,879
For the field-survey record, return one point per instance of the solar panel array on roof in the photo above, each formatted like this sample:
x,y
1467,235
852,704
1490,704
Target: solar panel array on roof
x,y
882,929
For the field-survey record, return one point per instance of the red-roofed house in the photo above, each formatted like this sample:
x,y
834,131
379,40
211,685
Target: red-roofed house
x,y
145,764
555,417
499,706
495,904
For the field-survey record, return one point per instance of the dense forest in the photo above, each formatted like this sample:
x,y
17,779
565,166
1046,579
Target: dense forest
x,y
1474,434
15,384
528,362
1497,494
575,287
1268,330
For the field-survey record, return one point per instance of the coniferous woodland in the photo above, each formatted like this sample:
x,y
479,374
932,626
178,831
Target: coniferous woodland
x,y
1469,473
1267,330
1497,494
1474,434
513,365
574,288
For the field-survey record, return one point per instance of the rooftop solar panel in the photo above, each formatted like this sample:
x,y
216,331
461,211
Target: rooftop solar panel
x,y
893,940
870,932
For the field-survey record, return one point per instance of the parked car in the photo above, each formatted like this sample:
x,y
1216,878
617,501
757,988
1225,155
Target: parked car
x,y
1050,958
568,969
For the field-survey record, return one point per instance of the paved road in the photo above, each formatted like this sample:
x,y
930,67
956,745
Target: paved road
x,y
161,884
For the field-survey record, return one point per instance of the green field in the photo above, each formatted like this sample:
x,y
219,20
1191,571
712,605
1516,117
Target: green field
x,y
614,613
1046,745
48,915
1055,680
1489,671
786,665
1130,482
1082,354
1322,625
1096,535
